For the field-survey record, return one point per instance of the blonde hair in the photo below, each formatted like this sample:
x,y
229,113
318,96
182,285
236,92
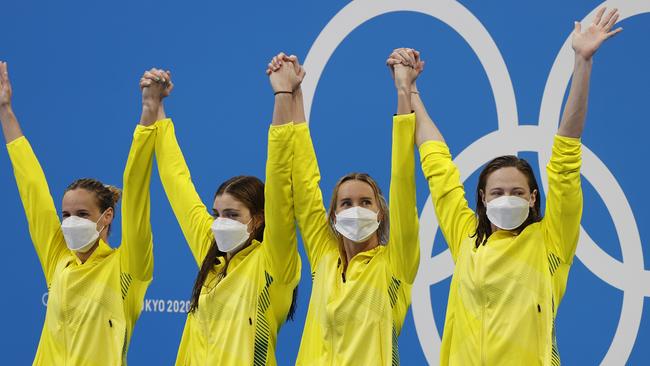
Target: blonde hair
x,y
383,230
106,196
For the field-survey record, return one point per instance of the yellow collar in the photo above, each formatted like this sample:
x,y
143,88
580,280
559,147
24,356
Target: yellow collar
x,y
242,254
102,251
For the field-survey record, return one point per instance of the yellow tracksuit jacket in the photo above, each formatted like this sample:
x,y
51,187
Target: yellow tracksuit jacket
x,y
357,321
505,294
239,316
92,307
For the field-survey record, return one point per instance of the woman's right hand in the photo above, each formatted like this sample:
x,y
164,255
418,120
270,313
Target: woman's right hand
x,y
405,66
285,73
5,86
155,84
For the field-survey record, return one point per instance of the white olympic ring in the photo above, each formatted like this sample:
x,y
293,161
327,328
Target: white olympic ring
x,y
508,139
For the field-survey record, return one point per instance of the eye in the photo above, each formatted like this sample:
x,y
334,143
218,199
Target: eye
x,y
65,215
367,202
345,204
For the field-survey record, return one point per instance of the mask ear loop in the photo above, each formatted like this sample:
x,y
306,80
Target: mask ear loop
x,y
100,217
248,223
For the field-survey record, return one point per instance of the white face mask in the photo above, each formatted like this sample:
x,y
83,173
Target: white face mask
x,y
508,212
80,234
356,223
229,234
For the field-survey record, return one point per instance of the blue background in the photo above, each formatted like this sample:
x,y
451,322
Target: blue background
x,y
75,68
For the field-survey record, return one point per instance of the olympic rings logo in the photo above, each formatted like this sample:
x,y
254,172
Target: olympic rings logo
x,y
629,276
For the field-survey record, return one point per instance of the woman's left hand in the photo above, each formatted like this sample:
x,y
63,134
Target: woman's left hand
x,y
586,43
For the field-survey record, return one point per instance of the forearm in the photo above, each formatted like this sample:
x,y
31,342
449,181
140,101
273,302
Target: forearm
x,y
403,100
161,112
575,110
425,128
298,107
150,112
282,109
10,126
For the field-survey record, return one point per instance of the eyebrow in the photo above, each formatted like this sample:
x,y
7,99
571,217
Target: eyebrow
x,y
226,211
361,198
82,210
511,188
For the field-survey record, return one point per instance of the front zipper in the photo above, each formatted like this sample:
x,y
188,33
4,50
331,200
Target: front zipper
x,y
64,278
479,268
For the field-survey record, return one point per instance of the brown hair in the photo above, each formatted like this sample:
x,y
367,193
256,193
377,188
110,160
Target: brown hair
x,y
106,196
249,191
382,231
484,228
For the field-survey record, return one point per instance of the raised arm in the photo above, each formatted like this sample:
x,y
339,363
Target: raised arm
x,y
192,215
457,221
585,44
309,209
564,198
42,218
136,250
403,244
280,242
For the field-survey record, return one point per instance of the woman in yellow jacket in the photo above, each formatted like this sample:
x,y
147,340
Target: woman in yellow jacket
x,y
246,250
511,265
95,291
362,273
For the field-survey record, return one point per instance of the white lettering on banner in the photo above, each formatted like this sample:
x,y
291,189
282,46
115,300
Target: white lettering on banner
x,y
510,138
165,306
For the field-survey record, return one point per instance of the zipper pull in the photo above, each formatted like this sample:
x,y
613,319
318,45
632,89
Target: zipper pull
x,y
110,323
539,308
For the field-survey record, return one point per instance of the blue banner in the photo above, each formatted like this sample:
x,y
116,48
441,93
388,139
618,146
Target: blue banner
x,y
495,80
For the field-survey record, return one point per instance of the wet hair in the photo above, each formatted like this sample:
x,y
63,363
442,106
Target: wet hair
x,y
382,231
484,227
106,196
249,191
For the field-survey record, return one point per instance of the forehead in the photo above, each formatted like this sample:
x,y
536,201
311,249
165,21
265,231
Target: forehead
x,y
226,201
508,177
77,199
354,189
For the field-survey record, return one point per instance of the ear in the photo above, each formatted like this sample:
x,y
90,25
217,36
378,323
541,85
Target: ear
x,y
258,221
482,197
108,216
106,220
533,198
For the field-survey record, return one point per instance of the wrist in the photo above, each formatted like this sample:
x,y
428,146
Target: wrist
x,y
403,90
281,88
582,60
6,110
151,104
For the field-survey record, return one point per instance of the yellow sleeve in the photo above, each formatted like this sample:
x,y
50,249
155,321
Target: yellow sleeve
x,y
280,243
563,212
42,217
311,215
191,213
457,221
403,245
136,250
